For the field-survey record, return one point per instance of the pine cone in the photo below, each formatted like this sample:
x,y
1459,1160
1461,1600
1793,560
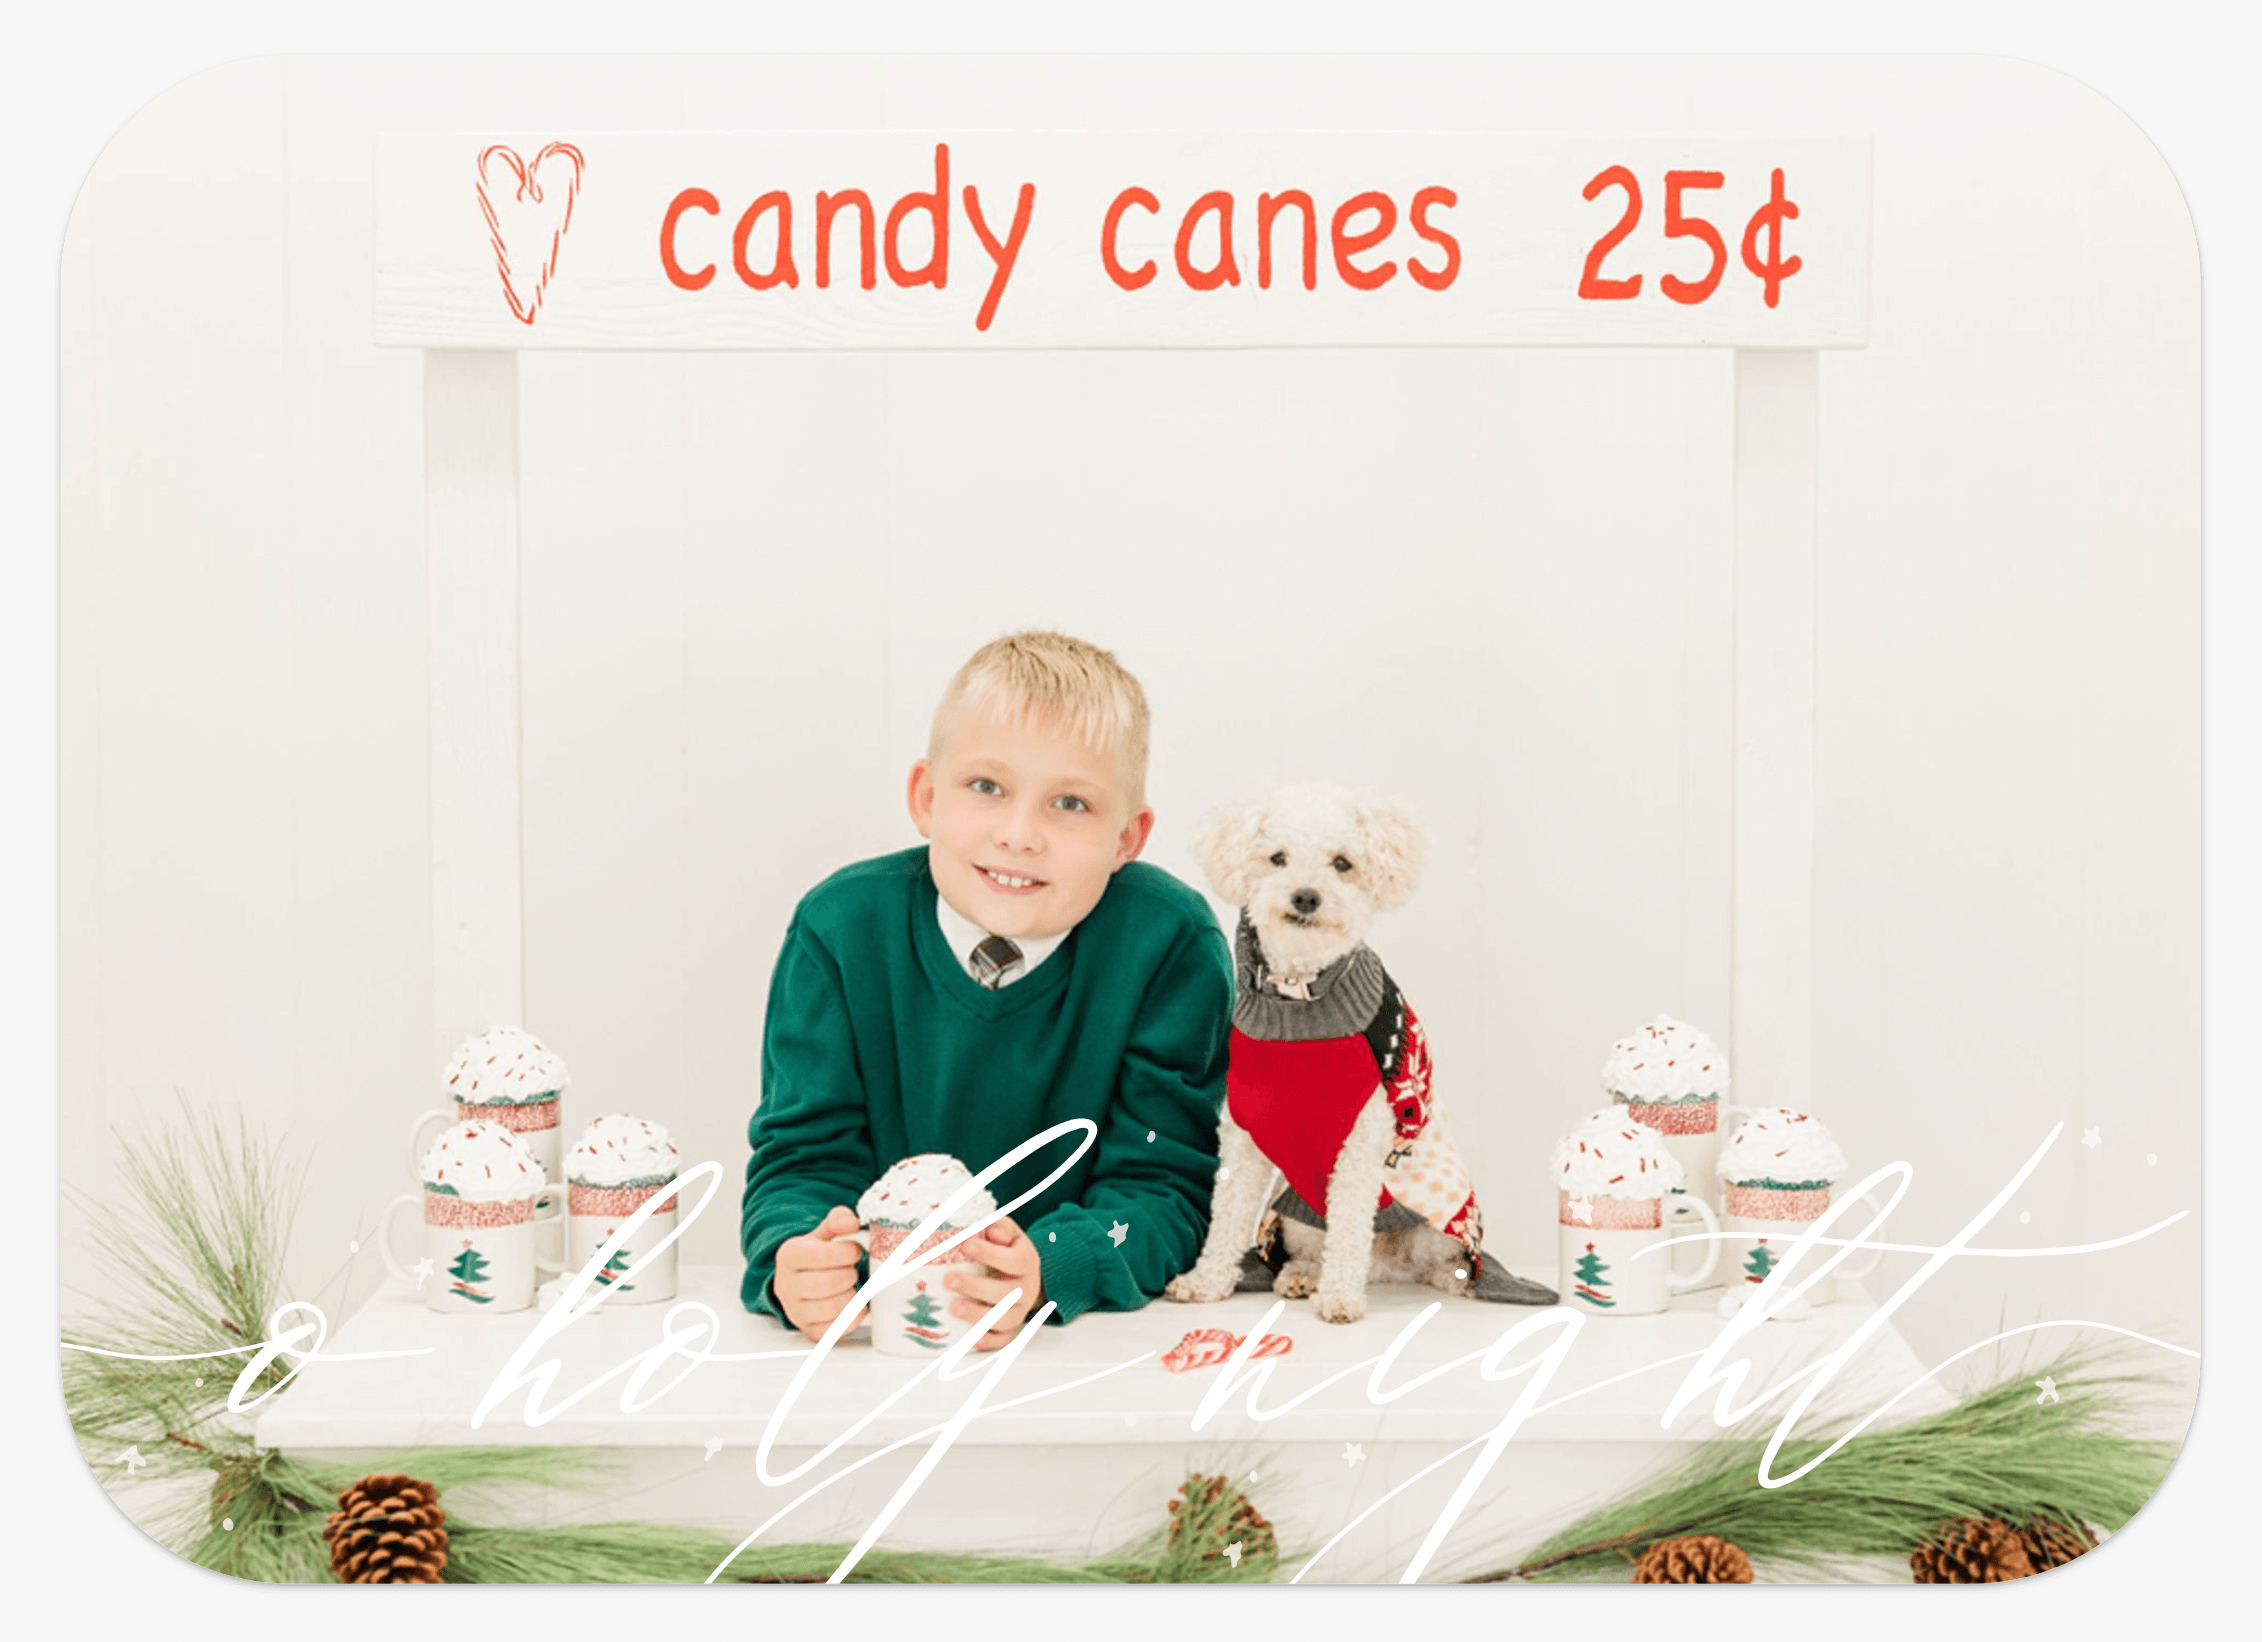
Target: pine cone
x,y
1701,1559
1970,1551
1214,1512
386,1531
2052,1542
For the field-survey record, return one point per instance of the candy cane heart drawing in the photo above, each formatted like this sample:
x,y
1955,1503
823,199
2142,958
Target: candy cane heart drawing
x,y
526,219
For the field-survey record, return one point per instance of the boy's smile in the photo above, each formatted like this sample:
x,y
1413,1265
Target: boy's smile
x,y
1025,825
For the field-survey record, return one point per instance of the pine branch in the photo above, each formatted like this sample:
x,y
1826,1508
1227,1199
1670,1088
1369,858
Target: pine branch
x,y
1622,1545
192,1247
1994,1454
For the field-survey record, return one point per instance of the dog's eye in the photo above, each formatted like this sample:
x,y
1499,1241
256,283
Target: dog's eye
x,y
1279,858
1340,864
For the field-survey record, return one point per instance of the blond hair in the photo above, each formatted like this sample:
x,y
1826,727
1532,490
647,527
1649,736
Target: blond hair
x,y
1025,677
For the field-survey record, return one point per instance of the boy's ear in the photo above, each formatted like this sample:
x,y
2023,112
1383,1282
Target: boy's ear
x,y
1225,844
1134,836
920,795
1397,846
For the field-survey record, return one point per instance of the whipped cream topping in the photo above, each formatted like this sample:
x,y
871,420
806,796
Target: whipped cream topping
x,y
907,1193
620,1150
1610,1155
1777,1146
482,1163
503,1066
1665,1060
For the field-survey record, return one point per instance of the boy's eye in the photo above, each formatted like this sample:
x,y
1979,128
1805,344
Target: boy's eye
x,y
983,784
1279,858
1340,864
1070,801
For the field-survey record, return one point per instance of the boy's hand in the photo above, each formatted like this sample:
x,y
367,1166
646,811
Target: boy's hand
x,y
816,1274
1013,1263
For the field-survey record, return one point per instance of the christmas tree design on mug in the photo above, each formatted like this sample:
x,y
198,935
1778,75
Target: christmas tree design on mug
x,y
1591,1281
470,1270
923,1320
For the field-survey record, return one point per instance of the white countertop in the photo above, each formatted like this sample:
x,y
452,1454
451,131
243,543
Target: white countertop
x,y
429,1399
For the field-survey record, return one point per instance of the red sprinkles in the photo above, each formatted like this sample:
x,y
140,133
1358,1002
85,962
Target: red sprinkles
x,y
444,1209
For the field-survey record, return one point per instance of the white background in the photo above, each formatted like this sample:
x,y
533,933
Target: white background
x,y
2158,118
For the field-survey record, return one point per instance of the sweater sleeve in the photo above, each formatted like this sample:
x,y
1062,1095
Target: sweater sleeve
x,y
811,1133
1172,1083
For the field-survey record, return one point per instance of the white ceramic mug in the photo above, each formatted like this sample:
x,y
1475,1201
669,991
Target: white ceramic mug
x,y
595,1213
1613,1261
911,1316
1761,1238
533,1126
480,1257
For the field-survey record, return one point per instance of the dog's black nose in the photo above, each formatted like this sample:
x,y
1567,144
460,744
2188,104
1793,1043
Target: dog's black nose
x,y
1305,901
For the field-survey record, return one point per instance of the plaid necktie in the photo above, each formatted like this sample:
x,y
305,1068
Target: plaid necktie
x,y
993,958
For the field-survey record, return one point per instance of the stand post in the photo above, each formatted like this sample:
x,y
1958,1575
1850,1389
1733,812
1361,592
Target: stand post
x,y
471,556
1772,975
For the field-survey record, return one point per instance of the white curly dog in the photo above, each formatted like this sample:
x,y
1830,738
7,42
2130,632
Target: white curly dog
x,y
1329,1077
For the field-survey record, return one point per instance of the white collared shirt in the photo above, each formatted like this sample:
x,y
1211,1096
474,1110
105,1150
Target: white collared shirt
x,y
963,936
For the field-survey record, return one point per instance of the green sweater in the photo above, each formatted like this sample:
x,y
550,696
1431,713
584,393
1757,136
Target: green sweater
x,y
878,1045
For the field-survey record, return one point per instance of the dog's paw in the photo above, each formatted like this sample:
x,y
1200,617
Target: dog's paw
x,y
1294,1282
1340,1308
1190,1290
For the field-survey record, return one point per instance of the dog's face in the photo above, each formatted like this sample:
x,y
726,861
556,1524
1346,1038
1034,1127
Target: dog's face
x,y
1312,865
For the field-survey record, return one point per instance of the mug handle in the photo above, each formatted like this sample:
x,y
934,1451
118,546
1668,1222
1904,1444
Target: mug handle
x,y
416,1140
862,1238
1699,1207
556,1217
1872,1254
413,1200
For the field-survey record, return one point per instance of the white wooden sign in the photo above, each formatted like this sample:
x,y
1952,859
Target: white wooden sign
x,y
1095,239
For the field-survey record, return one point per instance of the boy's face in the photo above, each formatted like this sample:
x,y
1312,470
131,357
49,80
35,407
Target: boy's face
x,y
1024,826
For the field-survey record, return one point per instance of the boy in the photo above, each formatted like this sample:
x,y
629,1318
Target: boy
x,y
1021,969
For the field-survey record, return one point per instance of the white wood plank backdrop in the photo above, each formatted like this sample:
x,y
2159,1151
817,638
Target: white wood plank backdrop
x,y
745,576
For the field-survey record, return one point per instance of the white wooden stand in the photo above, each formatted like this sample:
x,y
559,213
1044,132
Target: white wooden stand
x,y
1526,231
1078,1473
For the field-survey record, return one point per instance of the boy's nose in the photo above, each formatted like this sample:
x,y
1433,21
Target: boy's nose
x,y
1019,829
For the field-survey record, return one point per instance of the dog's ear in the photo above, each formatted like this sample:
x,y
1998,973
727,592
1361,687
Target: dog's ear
x,y
1226,846
1397,845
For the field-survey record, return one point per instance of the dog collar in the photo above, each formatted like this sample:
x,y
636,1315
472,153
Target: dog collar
x,y
1338,1001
